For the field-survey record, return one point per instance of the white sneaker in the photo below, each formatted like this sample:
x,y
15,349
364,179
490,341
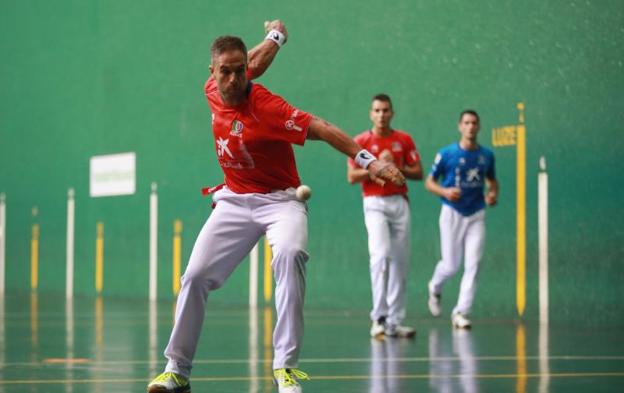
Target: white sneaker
x,y
434,302
399,331
287,379
377,328
461,322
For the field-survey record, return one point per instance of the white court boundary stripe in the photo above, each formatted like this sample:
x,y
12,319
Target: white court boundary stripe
x,y
325,377
330,360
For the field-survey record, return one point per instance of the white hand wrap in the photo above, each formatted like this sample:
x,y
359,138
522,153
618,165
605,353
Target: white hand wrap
x,y
277,37
364,158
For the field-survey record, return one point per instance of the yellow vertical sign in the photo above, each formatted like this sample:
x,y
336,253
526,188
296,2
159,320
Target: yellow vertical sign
x,y
521,213
99,258
177,255
509,136
268,280
34,257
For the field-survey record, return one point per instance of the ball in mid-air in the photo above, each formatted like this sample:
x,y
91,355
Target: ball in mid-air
x,y
303,192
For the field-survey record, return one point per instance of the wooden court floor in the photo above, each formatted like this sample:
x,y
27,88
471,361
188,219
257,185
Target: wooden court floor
x,y
115,345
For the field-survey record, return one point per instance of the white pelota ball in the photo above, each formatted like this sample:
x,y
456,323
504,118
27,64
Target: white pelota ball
x,y
303,192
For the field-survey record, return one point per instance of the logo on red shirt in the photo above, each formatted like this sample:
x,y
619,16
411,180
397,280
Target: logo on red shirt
x,y
222,147
237,128
290,123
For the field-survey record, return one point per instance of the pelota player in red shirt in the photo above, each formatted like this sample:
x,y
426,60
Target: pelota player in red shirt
x,y
387,218
253,131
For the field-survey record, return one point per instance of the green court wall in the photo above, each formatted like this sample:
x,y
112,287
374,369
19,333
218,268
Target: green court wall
x,y
85,78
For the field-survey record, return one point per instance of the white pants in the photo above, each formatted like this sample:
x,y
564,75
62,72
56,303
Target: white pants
x,y
388,225
461,237
231,231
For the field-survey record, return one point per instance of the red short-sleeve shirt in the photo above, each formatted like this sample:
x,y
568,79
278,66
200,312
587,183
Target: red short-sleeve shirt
x,y
403,150
253,140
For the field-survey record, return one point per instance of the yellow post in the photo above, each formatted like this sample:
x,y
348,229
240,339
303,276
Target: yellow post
x,y
268,346
34,319
521,359
268,279
34,257
99,327
177,255
99,258
521,212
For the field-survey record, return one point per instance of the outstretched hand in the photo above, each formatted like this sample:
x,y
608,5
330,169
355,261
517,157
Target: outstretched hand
x,y
276,25
381,171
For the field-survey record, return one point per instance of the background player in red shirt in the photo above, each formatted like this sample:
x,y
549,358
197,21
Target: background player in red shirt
x,y
253,131
387,218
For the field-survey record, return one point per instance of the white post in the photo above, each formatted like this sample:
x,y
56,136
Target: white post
x,y
2,331
153,244
153,337
69,263
69,327
544,358
69,341
253,277
2,242
542,218
253,319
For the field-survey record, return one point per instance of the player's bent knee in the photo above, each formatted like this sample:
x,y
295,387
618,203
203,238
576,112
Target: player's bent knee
x,y
290,253
202,282
450,269
212,284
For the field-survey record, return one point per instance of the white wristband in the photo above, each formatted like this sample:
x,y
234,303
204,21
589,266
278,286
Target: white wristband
x,y
364,158
276,36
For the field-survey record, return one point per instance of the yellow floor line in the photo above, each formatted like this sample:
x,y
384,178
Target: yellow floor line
x,y
331,360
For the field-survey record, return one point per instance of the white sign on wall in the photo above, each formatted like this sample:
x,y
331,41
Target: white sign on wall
x,y
112,174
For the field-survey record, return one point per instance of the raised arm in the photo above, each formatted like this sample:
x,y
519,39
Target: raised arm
x,y
260,57
379,171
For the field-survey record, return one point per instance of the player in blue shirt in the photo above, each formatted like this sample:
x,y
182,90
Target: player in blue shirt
x,y
459,175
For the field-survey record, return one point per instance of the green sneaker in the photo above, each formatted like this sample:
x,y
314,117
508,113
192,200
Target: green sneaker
x,y
169,383
286,379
